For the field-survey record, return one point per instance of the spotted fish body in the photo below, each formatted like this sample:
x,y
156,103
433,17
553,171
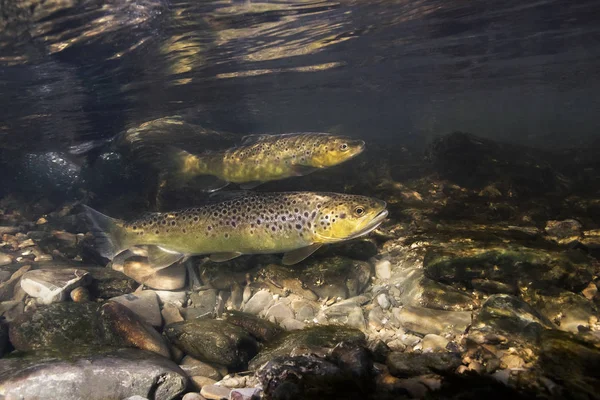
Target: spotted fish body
x,y
262,158
250,224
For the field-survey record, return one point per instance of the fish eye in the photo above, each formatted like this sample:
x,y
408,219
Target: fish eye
x,y
359,211
343,147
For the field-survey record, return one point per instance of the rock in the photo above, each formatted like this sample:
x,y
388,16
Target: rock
x,y
433,343
355,360
259,302
213,341
7,288
304,310
9,230
418,290
194,367
511,361
383,301
170,278
494,287
412,364
5,259
170,314
291,324
245,394
203,304
347,312
10,310
383,269
67,325
503,316
564,232
326,278
80,294
279,312
569,311
193,396
171,297
317,337
108,283
215,392
308,377
144,304
511,264
262,330
568,360
53,285
200,381
424,320
590,291
91,374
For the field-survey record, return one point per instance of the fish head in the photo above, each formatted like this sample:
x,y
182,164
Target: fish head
x,y
344,217
334,150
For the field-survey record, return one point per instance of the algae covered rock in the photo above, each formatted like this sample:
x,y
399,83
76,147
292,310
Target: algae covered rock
x,y
66,325
327,277
261,329
512,264
315,338
507,315
213,341
94,374
405,365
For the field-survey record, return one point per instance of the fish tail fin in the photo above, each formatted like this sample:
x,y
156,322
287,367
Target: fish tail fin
x,y
182,168
110,238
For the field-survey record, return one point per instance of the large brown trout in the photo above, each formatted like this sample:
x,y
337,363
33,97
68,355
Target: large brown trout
x,y
294,223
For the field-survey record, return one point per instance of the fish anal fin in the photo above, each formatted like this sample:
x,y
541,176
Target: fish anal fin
x,y
161,258
220,257
295,256
250,185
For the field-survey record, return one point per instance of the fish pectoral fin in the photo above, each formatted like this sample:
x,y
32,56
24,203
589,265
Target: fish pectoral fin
x,y
295,256
160,257
220,257
250,185
301,170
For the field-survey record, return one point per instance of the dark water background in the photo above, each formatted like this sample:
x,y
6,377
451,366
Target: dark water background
x,y
392,71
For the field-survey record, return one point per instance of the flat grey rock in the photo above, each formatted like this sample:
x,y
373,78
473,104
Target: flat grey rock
x,y
144,304
115,374
53,285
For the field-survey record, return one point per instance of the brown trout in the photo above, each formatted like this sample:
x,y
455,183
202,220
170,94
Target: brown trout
x,y
294,223
261,158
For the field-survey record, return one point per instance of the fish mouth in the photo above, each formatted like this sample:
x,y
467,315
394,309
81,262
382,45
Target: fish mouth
x,y
371,226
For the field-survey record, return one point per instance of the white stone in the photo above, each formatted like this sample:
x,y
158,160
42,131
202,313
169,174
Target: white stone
x,y
259,302
215,392
53,285
433,343
279,312
383,301
383,269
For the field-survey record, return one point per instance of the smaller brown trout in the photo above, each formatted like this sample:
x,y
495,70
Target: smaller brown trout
x,y
261,158
294,223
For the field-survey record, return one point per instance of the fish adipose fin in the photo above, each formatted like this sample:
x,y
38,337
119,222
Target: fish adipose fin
x,y
160,257
295,256
220,257
110,238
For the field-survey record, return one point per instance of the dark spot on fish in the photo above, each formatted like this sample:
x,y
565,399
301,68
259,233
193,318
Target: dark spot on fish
x,y
156,232
173,223
183,230
233,223
196,219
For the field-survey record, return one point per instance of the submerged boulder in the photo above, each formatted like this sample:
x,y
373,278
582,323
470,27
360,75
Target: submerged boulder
x,y
93,374
214,341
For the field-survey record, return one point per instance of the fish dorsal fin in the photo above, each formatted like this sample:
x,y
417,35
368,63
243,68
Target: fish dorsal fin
x,y
160,258
295,256
255,138
220,257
